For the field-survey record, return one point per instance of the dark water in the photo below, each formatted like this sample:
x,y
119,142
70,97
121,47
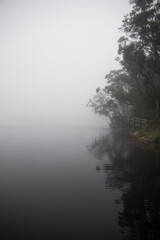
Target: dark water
x,y
77,184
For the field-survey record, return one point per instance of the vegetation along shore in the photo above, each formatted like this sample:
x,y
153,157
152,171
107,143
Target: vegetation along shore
x,y
134,89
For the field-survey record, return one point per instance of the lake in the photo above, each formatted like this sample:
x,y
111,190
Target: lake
x,y
77,183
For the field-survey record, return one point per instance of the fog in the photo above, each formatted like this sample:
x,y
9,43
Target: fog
x,y
54,54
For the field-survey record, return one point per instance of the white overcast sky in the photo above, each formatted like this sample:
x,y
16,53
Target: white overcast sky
x,y
53,55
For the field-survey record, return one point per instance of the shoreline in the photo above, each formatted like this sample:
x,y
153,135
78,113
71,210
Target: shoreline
x,y
150,137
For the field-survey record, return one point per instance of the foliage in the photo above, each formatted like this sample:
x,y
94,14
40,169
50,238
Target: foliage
x,y
135,88
103,104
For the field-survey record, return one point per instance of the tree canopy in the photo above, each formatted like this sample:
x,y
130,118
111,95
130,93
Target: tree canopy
x,y
134,89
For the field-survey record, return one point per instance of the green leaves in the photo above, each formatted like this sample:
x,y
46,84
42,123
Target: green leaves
x,y
135,88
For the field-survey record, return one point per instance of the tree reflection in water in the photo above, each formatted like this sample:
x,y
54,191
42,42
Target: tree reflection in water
x,y
136,172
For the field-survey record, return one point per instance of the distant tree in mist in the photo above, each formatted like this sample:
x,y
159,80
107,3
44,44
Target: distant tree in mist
x,y
134,90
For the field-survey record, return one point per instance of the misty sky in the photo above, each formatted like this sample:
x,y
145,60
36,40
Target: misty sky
x,y
54,54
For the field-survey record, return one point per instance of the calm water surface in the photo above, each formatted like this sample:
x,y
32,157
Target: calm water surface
x,y
77,183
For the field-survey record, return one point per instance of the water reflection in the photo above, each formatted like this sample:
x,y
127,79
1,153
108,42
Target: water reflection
x,y
50,189
136,172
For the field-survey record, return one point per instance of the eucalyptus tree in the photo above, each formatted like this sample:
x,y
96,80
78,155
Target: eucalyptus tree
x,y
104,105
135,88
141,56
139,67
142,25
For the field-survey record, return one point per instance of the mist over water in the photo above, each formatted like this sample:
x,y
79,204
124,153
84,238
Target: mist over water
x,y
64,174
54,54
50,187
77,183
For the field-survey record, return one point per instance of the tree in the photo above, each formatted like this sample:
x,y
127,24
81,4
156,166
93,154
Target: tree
x,y
139,67
104,104
142,54
142,25
135,88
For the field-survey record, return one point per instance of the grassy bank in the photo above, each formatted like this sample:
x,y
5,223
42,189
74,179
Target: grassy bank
x,y
148,136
